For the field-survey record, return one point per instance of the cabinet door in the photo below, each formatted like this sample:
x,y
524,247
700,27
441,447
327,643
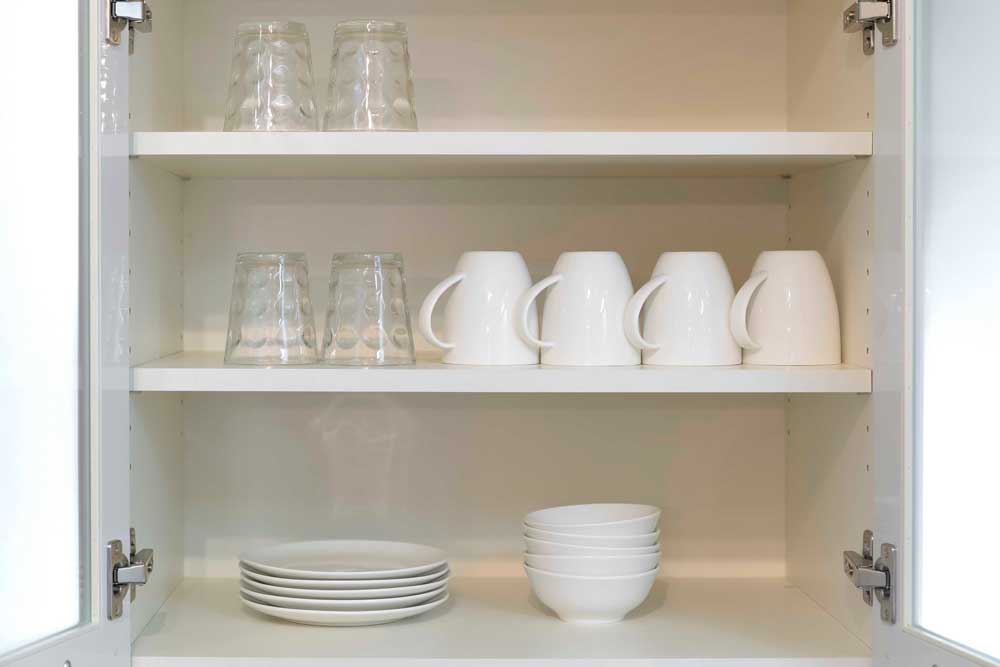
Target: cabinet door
x,y
63,340
937,280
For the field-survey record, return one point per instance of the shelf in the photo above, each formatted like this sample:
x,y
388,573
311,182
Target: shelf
x,y
479,154
497,623
204,371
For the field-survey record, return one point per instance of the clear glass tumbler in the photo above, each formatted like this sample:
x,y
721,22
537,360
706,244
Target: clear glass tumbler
x,y
371,84
271,84
367,320
271,319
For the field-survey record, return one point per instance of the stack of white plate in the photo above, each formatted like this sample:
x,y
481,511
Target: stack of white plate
x,y
344,582
592,563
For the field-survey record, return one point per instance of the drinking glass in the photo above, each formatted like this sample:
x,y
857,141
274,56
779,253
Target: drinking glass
x,y
271,318
367,320
271,84
371,84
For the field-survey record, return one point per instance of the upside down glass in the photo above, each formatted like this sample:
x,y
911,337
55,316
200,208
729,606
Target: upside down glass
x,y
371,84
271,319
271,83
367,319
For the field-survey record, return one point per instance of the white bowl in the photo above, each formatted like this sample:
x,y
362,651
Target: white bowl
x,y
578,599
533,546
593,566
641,540
599,519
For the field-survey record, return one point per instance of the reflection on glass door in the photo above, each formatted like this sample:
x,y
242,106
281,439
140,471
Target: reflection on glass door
x,y
956,519
44,486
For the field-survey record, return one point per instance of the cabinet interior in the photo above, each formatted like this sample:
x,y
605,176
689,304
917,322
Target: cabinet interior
x,y
753,487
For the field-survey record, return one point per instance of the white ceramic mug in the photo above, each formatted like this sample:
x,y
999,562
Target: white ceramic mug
x,y
479,316
582,322
687,318
786,312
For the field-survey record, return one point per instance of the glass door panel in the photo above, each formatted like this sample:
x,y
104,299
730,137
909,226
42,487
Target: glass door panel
x,y
44,462
956,269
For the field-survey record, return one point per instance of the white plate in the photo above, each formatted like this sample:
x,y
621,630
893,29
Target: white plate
x,y
341,584
345,559
356,594
342,605
344,618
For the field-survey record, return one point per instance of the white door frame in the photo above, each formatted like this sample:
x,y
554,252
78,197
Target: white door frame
x,y
100,642
902,644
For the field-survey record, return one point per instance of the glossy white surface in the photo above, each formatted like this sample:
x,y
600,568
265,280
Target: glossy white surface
x,y
479,315
596,519
535,546
638,540
506,154
786,313
593,565
582,318
360,604
683,623
247,581
580,599
344,618
205,372
344,559
686,304
343,584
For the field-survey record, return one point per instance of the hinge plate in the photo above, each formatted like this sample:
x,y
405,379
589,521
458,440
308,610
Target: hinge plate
x,y
866,16
127,14
875,578
125,572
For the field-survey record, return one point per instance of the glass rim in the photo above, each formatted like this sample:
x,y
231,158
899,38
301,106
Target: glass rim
x,y
272,28
366,258
274,257
370,26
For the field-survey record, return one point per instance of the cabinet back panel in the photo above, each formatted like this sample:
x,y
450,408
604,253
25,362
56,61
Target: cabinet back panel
x,y
539,65
460,471
433,222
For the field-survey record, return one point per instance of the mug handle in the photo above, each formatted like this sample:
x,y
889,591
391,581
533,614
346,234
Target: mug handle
x,y
634,307
524,306
739,310
427,311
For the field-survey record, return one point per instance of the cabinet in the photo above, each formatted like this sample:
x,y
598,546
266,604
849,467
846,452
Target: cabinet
x,y
638,127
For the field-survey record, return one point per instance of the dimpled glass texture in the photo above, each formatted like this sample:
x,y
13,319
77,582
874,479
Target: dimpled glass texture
x,y
367,319
271,319
271,82
371,85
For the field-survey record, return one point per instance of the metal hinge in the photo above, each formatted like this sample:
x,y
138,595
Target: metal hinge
x,y
126,573
874,577
866,15
131,14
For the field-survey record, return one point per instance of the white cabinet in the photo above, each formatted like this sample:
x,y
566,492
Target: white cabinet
x,y
638,127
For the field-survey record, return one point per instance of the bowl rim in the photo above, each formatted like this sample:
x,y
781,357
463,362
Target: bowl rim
x,y
588,558
590,577
526,526
627,550
654,511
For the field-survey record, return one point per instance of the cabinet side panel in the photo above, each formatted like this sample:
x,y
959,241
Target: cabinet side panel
x,y
541,65
830,80
156,91
157,483
460,472
156,271
829,445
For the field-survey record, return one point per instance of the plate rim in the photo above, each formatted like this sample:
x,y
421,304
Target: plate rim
x,y
353,593
257,556
373,614
425,596
353,584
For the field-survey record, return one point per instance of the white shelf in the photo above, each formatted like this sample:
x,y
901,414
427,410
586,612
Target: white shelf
x,y
497,623
204,371
522,154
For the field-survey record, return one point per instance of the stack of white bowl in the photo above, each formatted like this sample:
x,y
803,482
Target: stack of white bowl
x,y
344,582
592,563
